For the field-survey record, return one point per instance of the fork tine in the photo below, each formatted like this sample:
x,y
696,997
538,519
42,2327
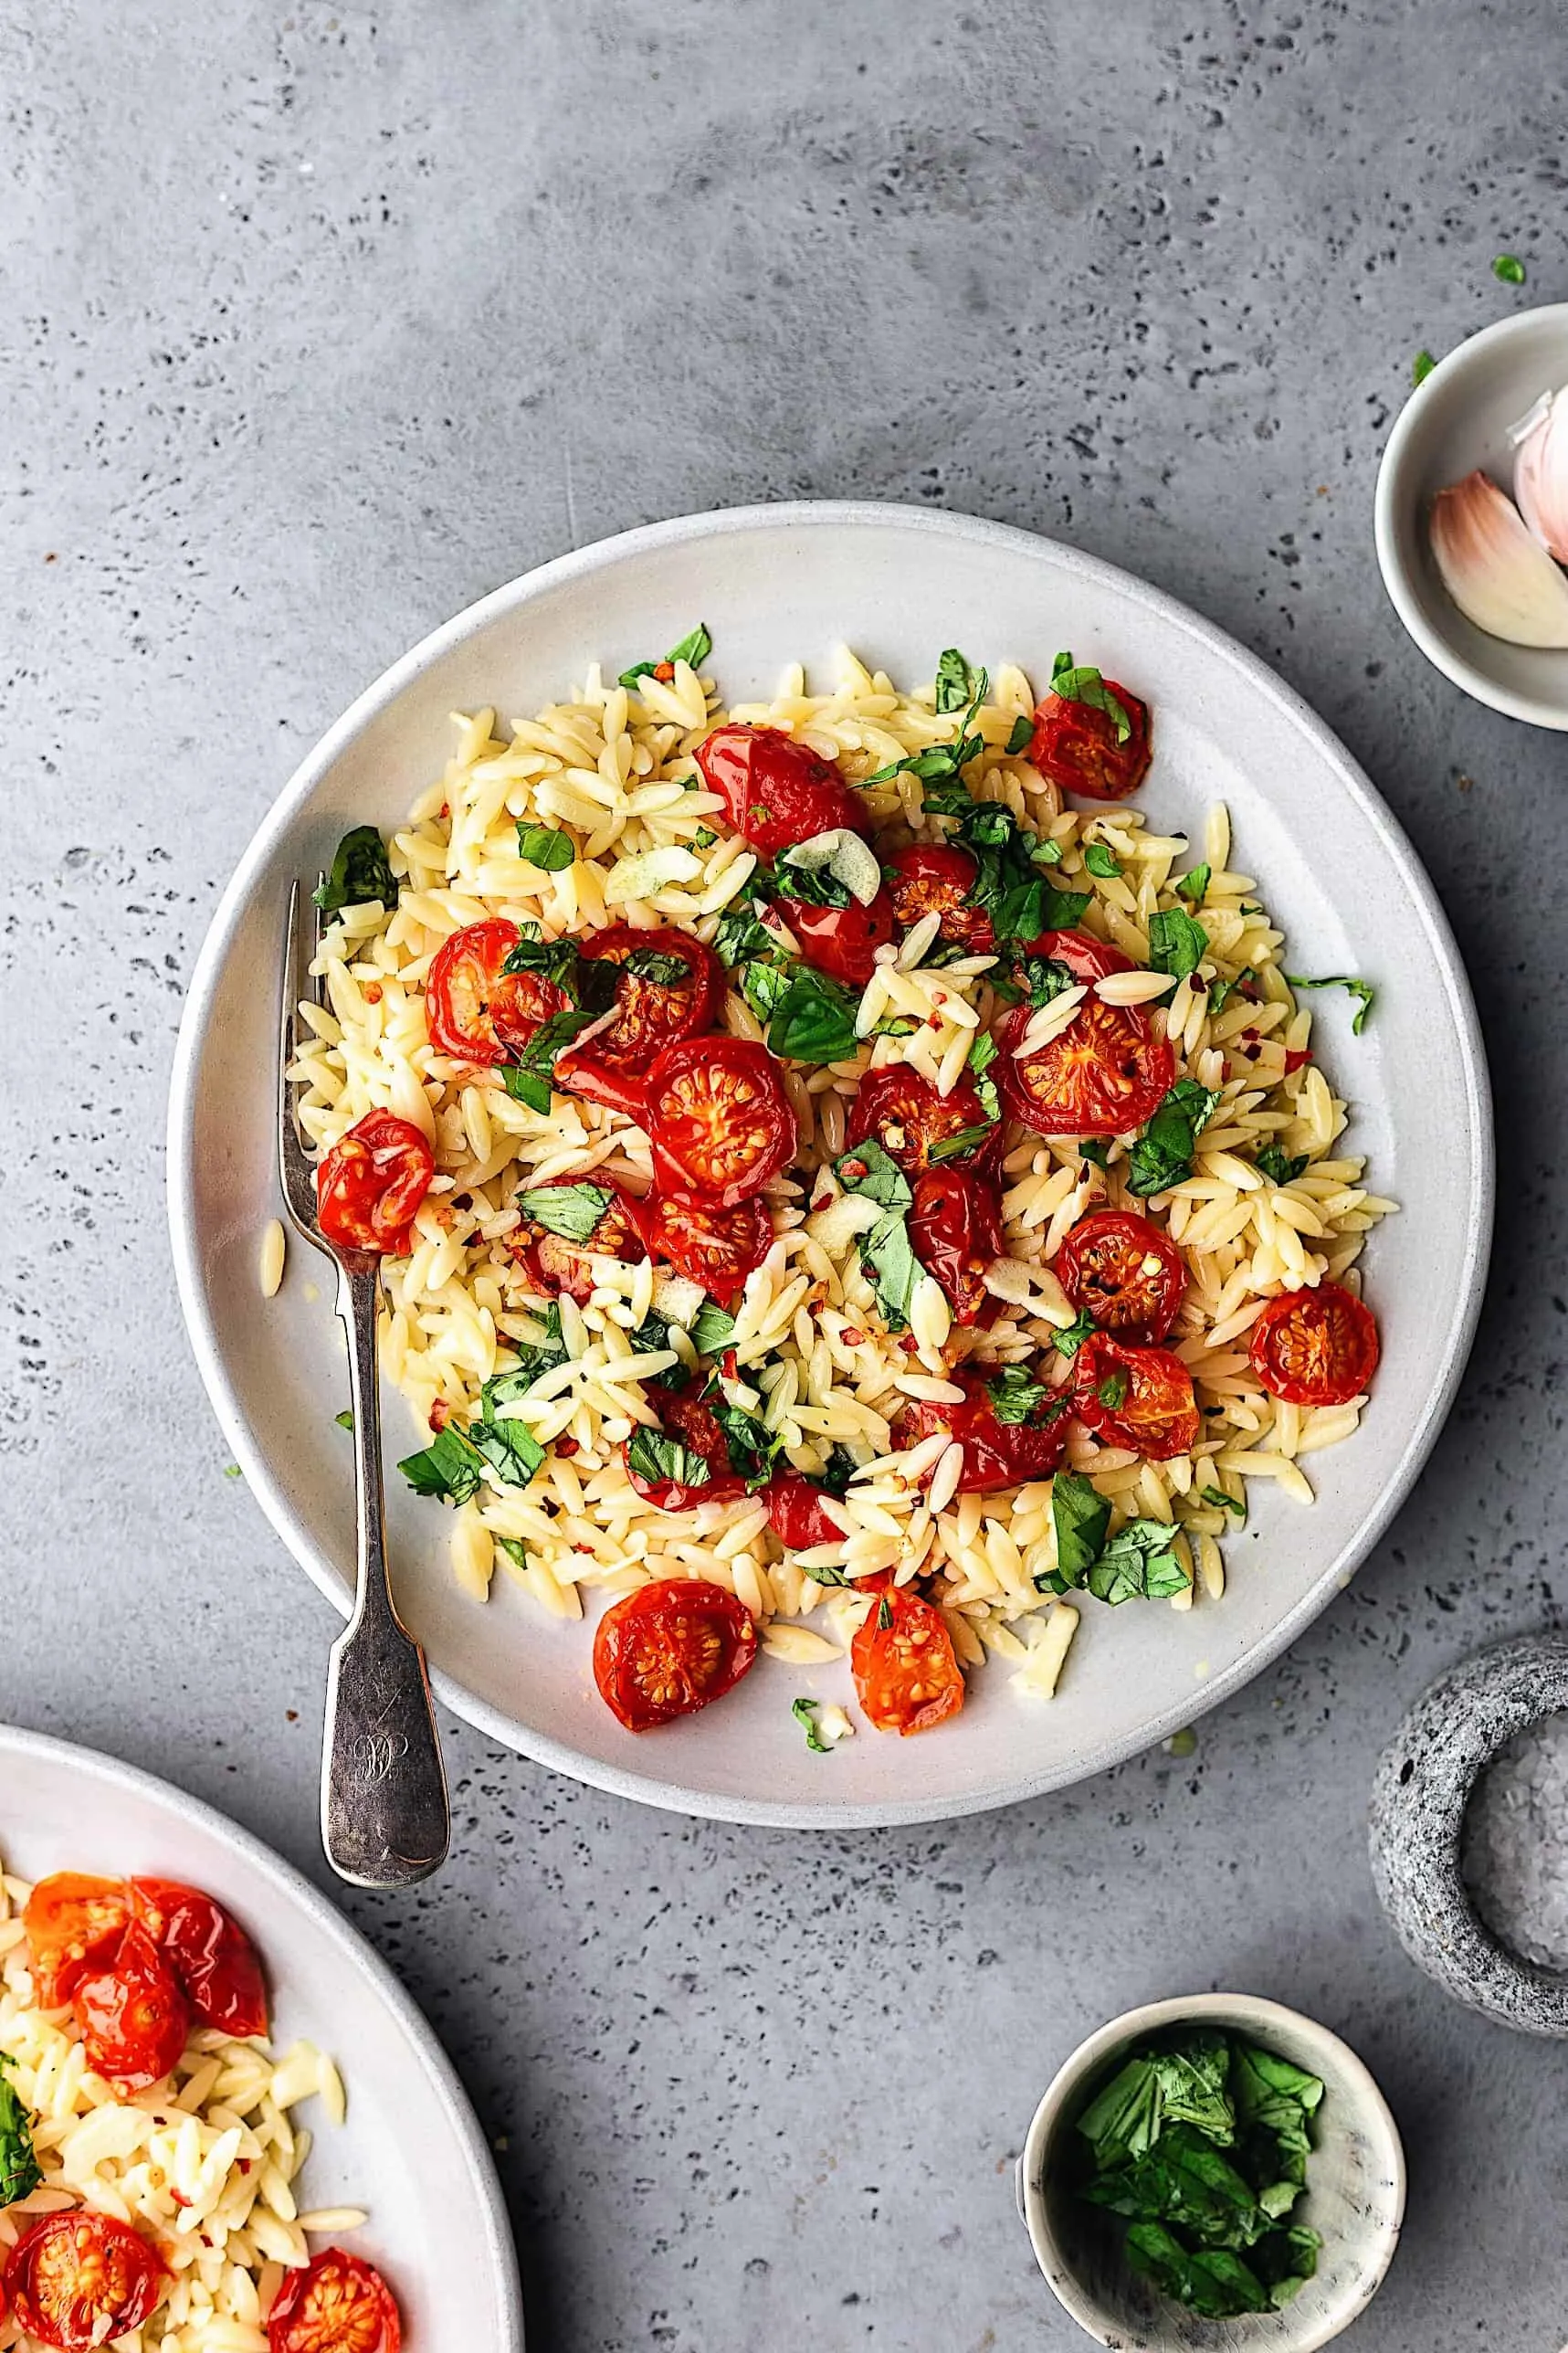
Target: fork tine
x,y
301,928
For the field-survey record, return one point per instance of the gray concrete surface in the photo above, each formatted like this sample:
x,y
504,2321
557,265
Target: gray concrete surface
x,y
317,325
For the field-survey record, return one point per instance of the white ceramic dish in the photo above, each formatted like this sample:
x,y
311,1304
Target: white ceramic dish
x,y
1355,2186
411,2149
1459,419
774,582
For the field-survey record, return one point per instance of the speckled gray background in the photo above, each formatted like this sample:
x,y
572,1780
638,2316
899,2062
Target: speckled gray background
x,y
314,327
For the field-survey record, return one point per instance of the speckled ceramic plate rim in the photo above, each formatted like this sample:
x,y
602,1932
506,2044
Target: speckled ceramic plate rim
x,y
1097,1756
292,1893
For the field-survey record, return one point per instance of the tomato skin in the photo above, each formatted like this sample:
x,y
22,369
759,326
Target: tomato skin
x,y
719,1120
213,1960
133,2018
900,1109
371,1182
996,1453
717,1248
74,2279
669,1649
473,1010
907,1676
551,1264
795,1513
1315,1347
683,1416
73,1922
337,2304
1158,1416
622,1090
955,1227
841,941
1075,747
937,878
1126,1271
1106,1074
777,791
650,1014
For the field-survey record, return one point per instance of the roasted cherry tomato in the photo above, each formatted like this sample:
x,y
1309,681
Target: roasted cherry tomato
x,y
955,1227
1315,1347
1105,1074
927,880
73,1922
76,2280
475,1011
841,941
777,791
717,1248
552,1263
336,2304
670,1648
1138,1397
902,1111
795,1514
1075,745
370,1181
685,1419
907,1676
719,1120
624,1091
209,1952
132,2015
670,987
1126,1272
996,1453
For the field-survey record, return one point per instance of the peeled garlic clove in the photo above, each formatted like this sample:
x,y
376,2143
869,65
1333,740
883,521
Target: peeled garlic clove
x,y
1540,472
1499,577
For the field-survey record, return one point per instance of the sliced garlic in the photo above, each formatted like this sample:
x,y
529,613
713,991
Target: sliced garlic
x,y
844,856
1540,472
1499,577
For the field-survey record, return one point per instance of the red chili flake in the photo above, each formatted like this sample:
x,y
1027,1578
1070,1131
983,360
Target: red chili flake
x,y
440,1414
245,2165
566,1446
1296,1059
910,1345
664,671
853,1337
372,992
445,809
179,2197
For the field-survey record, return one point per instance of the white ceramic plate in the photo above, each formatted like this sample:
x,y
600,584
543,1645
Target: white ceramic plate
x,y
772,584
411,2149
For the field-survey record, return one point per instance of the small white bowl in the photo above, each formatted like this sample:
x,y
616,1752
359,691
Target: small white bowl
x,y
1355,2199
1458,419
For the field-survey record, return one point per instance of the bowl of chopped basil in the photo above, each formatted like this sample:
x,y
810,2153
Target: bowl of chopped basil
x,y
1213,2171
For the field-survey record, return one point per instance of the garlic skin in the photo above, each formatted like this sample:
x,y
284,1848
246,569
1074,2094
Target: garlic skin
x,y
1499,576
1540,472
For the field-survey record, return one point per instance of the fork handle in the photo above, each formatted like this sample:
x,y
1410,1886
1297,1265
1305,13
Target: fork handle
x,y
386,1818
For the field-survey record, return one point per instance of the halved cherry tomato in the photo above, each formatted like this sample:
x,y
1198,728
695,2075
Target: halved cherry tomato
x,y
778,791
370,1183
1074,746
577,1073
649,1011
1315,1347
670,1648
76,2280
719,1120
338,2303
134,2017
1105,1074
717,1248
996,1453
551,1264
927,879
795,1514
907,1676
901,1110
841,941
1138,1397
1128,1274
211,1955
73,1922
475,1012
955,1227
683,1417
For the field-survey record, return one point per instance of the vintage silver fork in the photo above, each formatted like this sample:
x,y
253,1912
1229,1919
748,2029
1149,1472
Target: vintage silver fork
x,y
385,1820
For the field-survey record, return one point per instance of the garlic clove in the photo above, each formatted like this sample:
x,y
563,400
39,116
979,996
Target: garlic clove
x,y
1540,472
1499,577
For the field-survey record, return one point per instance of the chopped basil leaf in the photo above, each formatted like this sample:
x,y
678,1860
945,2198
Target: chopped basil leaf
x,y
1222,991
509,1446
814,1021
360,872
837,1471
20,2172
655,1456
535,1359
1021,735
941,766
515,1550
1071,1337
527,1087
232,1470
884,1613
1421,367
809,886
1162,1155
896,1025
711,1330
1078,682
1080,1516
1194,884
1218,1501
447,1468
739,936
1095,1149
952,1147
765,986
573,1212
1510,268
1007,882
1362,990
654,965
1273,1163
1177,943
529,1078
888,1256
345,1420
1014,1393
1042,978
1112,1391
1100,860
545,846
754,1447
866,1168
982,1053
704,837
805,1712
553,960
693,649
955,682
1139,1563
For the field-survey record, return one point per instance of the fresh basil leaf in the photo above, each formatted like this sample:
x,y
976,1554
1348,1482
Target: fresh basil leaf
x,y
1095,1149
345,1420
1080,683
982,1053
711,1330
955,682
1008,885
837,1471
867,1168
888,1256
1192,886
805,1713
553,960
1162,1155
965,1140
1139,1563
1213,2282
897,1024
941,766
515,1550
1080,1516
651,1338
537,1058
360,872
655,966
1273,1163
527,1087
1071,1337
884,1613
1362,990
20,2172
1510,268
1177,942
655,1457
545,846
739,936
1021,735
535,1359
1218,1501
765,988
1220,992
1112,1391
1123,2121
510,1447
1014,1393
1100,860
754,1447
814,1021
447,1468
1421,367
573,1212
809,886
1042,978
693,649
704,837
